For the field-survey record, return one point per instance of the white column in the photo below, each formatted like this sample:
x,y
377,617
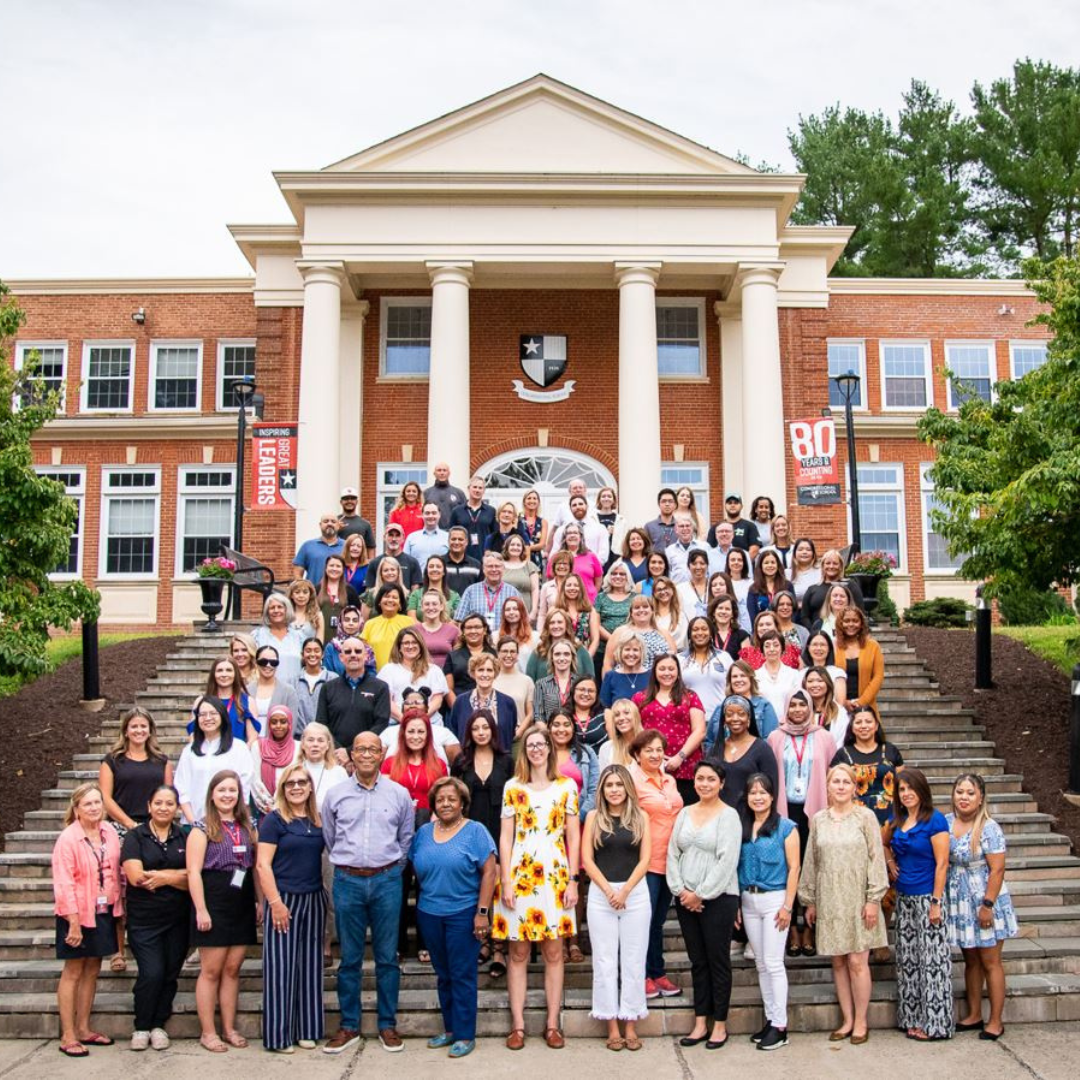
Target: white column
x,y
448,384
319,445
639,391
731,392
351,393
764,443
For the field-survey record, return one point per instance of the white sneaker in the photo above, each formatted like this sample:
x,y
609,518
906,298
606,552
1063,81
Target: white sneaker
x,y
159,1039
748,952
284,1050
140,1040
306,1044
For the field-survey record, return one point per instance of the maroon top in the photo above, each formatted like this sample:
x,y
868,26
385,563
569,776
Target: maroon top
x,y
220,854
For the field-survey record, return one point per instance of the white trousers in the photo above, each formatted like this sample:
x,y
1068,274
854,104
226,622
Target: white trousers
x,y
620,940
759,920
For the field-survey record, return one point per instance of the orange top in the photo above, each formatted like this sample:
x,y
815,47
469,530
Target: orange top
x,y
661,802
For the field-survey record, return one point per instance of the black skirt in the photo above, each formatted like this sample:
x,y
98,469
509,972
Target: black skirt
x,y
99,940
232,911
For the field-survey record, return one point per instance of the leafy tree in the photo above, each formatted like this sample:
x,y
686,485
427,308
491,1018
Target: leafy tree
x,y
36,522
852,177
1027,143
1007,473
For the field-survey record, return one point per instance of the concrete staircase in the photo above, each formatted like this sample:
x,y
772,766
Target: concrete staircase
x,y
933,731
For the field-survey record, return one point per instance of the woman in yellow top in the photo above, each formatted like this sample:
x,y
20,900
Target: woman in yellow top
x,y
382,629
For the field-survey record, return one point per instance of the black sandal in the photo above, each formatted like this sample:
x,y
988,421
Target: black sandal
x,y
485,954
498,965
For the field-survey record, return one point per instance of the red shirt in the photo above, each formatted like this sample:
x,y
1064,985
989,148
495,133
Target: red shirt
x,y
673,722
410,518
415,781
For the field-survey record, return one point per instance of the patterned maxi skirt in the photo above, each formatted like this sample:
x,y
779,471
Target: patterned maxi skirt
x,y
924,995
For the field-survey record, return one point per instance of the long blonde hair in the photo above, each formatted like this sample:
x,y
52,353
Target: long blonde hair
x,y
284,807
632,817
620,744
982,815
77,797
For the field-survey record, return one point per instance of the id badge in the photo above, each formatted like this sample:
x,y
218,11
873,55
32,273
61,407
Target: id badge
x,y
239,849
474,539
102,905
238,879
798,790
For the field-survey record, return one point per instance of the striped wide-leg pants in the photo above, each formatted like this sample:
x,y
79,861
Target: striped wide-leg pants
x,y
293,972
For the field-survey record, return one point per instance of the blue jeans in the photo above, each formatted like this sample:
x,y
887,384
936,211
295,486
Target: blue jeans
x,y
451,940
660,896
360,902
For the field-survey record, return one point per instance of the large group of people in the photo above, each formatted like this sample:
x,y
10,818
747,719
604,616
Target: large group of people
x,y
502,738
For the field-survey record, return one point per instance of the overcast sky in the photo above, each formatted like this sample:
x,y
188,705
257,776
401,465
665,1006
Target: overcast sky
x,y
134,130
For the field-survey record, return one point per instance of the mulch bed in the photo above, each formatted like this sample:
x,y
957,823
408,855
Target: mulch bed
x,y
43,726
1026,714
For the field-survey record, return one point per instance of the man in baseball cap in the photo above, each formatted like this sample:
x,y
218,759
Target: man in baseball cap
x,y
412,574
351,521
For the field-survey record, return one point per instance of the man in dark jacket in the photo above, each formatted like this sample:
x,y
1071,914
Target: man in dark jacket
x,y
444,495
356,702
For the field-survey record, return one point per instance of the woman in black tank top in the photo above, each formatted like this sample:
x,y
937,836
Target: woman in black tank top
x,y
615,852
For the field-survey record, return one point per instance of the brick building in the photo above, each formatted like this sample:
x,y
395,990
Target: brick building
x,y
684,322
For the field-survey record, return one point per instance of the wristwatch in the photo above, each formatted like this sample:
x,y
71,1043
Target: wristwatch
x,y
987,903
575,877
481,911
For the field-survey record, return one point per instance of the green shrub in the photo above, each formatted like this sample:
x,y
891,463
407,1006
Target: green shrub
x,y
945,612
886,610
1022,606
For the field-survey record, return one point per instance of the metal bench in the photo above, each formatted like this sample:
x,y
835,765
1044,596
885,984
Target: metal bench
x,y
249,574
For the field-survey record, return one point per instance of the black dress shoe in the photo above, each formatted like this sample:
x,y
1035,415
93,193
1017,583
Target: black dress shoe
x,y
991,1036
977,1026
717,1044
686,1040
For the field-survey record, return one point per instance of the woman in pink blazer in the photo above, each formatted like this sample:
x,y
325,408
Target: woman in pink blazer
x,y
86,889
803,750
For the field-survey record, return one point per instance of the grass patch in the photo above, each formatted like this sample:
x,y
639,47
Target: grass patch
x,y
1058,644
62,649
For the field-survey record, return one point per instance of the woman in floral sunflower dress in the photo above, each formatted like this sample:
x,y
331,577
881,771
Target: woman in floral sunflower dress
x,y
538,845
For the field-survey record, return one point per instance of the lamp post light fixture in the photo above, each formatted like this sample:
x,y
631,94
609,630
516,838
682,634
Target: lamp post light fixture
x,y
848,384
244,397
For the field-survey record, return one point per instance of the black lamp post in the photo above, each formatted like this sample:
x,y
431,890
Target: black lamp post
x,y
244,397
849,389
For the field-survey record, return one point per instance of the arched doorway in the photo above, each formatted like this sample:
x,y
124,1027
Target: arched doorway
x,y
547,471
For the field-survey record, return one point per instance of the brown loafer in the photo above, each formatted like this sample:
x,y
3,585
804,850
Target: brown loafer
x,y
516,1039
554,1038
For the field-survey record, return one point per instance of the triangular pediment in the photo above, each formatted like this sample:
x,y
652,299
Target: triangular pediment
x,y
541,126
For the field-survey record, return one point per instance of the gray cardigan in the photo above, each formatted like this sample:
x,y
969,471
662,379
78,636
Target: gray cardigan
x,y
705,860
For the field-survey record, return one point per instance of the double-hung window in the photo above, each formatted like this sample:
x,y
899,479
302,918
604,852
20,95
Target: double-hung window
x,y
906,379
845,356
108,376
204,519
971,364
405,333
74,481
175,375
936,552
50,371
130,522
1025,356
680,337
881,510
236,361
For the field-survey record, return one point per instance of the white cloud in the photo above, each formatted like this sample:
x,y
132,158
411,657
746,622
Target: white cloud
x,y
135,130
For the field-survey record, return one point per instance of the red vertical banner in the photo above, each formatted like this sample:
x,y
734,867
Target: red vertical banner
x,y
273,466
817,470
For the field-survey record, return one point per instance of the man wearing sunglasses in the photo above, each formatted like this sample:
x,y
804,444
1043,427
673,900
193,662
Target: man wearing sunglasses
x,y
355,703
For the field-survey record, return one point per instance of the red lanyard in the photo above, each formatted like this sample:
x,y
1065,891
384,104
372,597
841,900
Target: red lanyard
x,y
799,754
491,598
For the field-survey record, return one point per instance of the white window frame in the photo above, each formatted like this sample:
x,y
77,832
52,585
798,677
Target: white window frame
x,y
77,494
864,385
24,347
219,375
383,489
897,489
151,384
928,377
700,489
385,304
926,490
991,357
186,492
1031,343
103,528
84,388
697,302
